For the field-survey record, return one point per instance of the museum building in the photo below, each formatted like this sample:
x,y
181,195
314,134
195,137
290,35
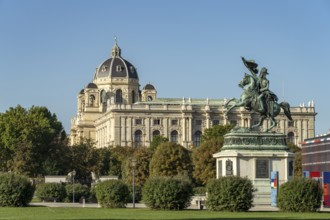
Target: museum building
x,y
113,110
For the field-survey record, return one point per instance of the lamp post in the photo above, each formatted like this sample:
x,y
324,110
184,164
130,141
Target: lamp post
x,y
133,165
73,174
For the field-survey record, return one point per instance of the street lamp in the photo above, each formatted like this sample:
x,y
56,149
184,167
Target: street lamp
x,y
73,174
133,165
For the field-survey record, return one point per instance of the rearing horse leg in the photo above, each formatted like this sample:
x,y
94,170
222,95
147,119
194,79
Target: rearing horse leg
x,y
238,103
262,118
274,123
231,107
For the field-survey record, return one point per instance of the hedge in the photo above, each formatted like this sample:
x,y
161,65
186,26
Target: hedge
x,y
230,193
15,190
112,194
300,195
51,192
170,193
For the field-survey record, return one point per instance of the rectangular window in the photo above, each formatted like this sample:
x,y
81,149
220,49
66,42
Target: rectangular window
x,y
198,122
290,123
229,168
262,168
174,122
156,121
216,122
138,121
219,168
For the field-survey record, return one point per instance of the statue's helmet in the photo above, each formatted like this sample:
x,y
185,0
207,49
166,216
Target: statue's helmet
x,y
264,71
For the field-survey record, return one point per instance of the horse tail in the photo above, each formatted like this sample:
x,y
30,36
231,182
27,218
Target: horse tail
x,y
230,100
286,107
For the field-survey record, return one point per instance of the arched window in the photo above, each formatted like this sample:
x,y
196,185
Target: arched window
x,y
133,97
197,138
174,136
119,96
291,137
138,138
103,96
155,133
91,100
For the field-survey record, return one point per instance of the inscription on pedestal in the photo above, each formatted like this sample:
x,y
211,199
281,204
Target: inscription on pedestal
x,y
229,167
262,168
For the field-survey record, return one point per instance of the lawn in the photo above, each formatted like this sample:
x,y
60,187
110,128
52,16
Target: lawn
x,y
129,213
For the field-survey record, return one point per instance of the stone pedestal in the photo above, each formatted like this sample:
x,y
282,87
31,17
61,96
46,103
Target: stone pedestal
x,y
255,155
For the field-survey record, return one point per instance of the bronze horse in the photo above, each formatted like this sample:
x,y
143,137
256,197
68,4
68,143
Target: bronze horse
x,y
249,99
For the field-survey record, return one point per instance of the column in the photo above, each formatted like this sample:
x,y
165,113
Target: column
x,y
183,130
147,131
190,127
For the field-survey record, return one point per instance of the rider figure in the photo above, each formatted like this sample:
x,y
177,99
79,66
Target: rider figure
x,y
265,96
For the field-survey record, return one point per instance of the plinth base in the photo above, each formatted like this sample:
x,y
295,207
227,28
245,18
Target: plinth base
x,y
255,155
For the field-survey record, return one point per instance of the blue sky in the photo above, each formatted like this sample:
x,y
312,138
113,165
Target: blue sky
x,y
50,49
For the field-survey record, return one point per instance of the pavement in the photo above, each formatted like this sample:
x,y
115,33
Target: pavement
x,y
256,208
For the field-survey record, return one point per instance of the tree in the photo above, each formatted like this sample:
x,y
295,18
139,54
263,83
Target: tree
x,y
171,159
204,163
293,148
157,140
143,157
29,140
216,132
86,158
118,156
297,164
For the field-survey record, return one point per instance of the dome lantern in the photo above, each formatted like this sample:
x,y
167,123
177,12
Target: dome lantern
x,y
116,51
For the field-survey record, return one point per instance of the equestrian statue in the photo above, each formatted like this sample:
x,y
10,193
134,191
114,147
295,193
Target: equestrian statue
x,y
257,97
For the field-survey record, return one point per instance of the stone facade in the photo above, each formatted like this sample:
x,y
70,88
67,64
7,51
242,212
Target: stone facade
x,y
112,110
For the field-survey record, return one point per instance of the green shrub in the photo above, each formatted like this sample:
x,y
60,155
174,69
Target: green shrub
x,y
15,190
201,190
51,192
171,193
92,195
300,195
138,193
79,192
112,194
230,193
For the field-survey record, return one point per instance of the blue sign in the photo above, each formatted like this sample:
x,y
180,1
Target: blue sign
x,y
306,174
274,187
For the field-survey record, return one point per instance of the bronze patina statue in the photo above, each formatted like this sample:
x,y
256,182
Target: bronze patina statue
x,y
257,97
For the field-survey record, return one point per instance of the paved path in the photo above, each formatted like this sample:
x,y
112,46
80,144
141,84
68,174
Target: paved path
x,y
141,205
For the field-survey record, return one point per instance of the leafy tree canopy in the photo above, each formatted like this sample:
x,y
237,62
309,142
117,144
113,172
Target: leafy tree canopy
x,y
171,159
27,138
216,132
157,140
204,163
141,171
